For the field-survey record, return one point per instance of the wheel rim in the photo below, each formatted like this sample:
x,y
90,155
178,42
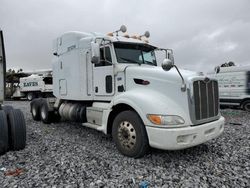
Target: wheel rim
x,y
43,113
127,135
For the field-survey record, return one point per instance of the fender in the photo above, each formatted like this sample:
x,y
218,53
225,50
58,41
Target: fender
x,y
146,101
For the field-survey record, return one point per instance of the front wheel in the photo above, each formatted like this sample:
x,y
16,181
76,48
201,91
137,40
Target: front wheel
x,y
129,134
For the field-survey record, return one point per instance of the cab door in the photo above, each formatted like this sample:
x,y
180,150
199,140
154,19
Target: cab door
x,y
103,74
2,67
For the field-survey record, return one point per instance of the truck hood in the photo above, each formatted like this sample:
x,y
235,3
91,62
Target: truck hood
x,y
162,94
153,72
156,91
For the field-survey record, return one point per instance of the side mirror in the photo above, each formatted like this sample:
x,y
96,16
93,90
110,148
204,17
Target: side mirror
x,y
167,64
170,55
95,49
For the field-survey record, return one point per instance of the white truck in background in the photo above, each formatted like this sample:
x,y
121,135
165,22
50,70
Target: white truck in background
x,y
234,86
38,84
12,122
113,84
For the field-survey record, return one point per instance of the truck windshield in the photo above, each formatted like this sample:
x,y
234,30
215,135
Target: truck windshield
x,y
135,53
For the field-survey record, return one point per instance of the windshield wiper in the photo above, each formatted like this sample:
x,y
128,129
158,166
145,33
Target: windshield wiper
x,y
148,62
130,60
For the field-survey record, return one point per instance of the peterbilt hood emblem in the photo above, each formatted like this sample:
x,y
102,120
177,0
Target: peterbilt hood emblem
x,y
206,80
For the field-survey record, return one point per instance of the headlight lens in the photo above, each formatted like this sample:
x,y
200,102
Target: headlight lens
x,y
165,119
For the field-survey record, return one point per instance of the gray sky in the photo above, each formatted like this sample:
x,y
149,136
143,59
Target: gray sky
x,y
203,33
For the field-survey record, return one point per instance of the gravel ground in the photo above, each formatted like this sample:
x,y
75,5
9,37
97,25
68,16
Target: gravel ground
x,y
70,155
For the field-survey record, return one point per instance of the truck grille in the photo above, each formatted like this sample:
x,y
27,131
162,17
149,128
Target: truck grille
x,y
206,99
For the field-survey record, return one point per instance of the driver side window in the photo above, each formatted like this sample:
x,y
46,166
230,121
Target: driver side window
x,y
105,57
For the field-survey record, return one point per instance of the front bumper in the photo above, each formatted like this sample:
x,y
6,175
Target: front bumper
x,y
180,138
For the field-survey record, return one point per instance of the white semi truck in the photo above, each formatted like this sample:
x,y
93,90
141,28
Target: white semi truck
x,y
234,86
12,122
113,84
38,84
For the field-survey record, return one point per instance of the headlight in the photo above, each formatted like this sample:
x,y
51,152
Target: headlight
x,y
165,119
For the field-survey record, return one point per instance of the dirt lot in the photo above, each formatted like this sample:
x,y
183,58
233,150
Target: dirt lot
x,y
70,155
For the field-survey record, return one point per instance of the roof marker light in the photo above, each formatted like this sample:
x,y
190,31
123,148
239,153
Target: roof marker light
x,y
110,34
126,35
134,37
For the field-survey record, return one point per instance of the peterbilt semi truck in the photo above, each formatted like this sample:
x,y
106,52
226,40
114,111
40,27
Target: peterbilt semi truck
x,y
113,84
37,84
12,122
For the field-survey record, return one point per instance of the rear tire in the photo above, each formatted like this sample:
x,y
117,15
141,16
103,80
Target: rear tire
x,y
130,135
82,115
17,128
56,117
45,114
3,133
35,110
246,106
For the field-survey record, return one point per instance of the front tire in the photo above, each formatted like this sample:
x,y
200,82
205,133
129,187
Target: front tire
x,y
130,135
